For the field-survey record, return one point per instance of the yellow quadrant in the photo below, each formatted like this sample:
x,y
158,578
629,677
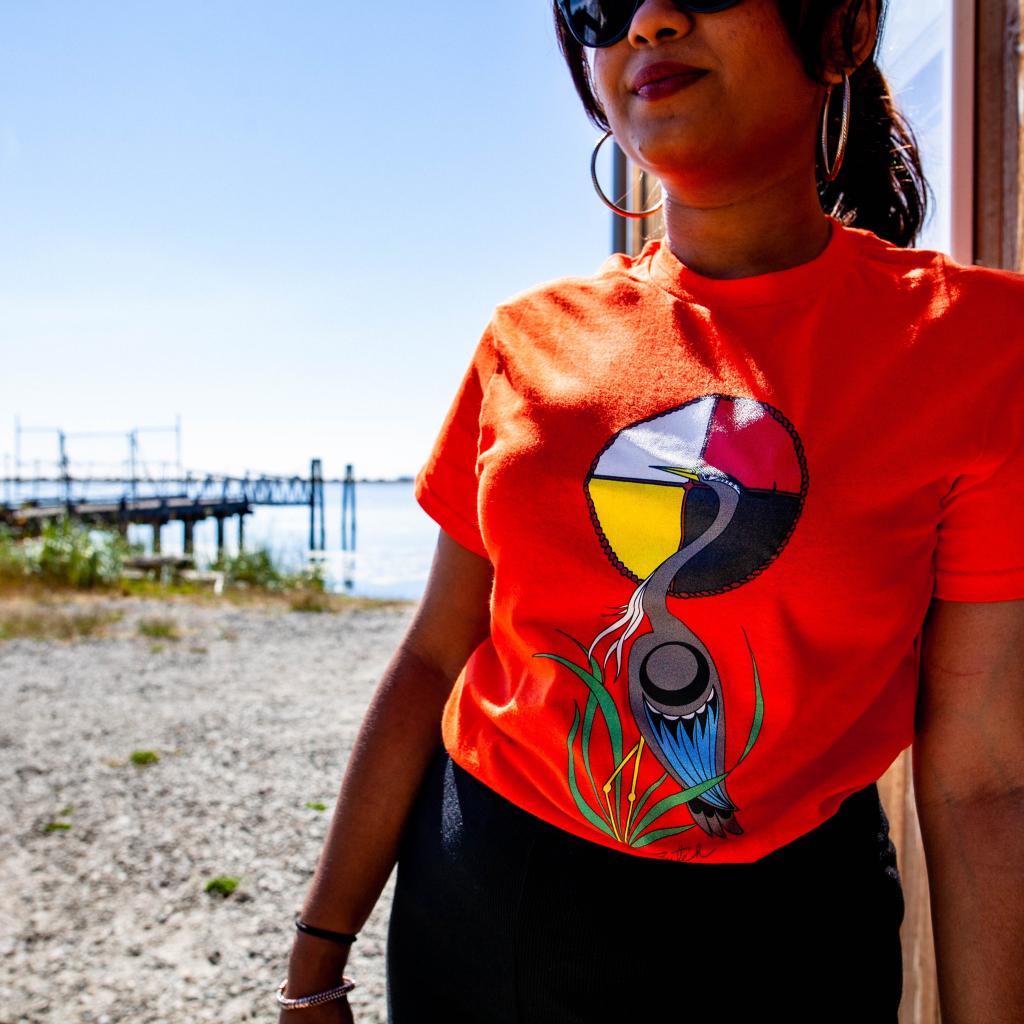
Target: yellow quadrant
x,y
642,522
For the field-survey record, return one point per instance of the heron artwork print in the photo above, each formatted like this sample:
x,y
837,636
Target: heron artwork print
x,y
687,504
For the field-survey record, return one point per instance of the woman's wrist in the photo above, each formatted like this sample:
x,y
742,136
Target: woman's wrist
x,y
315,961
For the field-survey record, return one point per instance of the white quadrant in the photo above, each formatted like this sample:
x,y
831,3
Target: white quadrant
x,y
674,439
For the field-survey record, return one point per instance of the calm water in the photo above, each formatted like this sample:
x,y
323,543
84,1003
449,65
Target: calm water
x,y
394,540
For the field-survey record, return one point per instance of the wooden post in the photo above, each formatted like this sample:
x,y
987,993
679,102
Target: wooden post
x,y
920,1003
621,241
633,189
348,510
323,520
998,210
315,501
646,193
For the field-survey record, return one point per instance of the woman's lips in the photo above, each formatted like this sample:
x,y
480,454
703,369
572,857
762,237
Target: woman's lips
x,y
669,85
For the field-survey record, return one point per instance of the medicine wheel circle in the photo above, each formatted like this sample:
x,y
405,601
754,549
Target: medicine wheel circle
x,y
645,503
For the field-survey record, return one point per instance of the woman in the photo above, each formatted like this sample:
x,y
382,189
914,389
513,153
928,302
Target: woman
x,y
725,527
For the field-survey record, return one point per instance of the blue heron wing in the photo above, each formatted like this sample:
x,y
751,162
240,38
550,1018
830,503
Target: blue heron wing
x,y
693,758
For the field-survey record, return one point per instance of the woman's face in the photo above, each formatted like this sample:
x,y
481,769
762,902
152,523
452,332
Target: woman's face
x,y
750,118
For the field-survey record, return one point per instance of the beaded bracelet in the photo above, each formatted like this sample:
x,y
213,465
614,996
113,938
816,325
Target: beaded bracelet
x,y
301,1002
347,984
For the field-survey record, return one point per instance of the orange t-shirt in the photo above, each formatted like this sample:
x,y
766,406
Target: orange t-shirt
x,y
717,511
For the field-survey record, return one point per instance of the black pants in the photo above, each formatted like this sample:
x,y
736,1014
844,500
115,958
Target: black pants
x,y
499,917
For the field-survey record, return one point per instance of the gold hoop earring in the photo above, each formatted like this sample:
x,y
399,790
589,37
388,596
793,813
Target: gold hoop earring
x,y
831,171
607,202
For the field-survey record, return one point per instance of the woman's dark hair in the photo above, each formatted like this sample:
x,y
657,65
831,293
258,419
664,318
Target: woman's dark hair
x,y
880,185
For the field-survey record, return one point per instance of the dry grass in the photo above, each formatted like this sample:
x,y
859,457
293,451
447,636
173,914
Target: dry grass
x,y
160,626
39,612
42,622
306,600
243,596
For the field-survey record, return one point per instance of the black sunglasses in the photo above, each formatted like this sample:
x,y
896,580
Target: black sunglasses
x,y
598,23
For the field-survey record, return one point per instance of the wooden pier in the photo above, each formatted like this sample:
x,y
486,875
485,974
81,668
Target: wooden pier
x,y
153,512
187,500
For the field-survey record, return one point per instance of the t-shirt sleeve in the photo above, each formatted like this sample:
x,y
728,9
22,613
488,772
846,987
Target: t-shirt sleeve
x,y
979,554
446,484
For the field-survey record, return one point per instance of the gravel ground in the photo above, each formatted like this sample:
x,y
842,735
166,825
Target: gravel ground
x,y
252,712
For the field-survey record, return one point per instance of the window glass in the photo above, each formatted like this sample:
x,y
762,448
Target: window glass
x,y
916,58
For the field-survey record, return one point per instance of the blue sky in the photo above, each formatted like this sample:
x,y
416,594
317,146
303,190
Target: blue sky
x,y
288,222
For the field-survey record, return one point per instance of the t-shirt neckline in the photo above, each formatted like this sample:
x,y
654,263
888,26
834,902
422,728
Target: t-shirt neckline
x,y
668,271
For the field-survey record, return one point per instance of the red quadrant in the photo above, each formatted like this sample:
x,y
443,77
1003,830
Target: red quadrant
x,y
753,446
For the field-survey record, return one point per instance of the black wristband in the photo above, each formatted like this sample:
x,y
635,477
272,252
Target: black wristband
x,y
343,938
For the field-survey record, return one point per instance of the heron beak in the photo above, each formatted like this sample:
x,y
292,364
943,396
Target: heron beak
x,y
679,471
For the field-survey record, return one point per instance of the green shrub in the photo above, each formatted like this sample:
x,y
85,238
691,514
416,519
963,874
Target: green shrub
x,y
310,577
251,568
14,563
72,554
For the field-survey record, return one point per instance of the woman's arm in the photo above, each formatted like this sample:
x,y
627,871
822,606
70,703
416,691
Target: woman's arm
x,y
968,770
398,736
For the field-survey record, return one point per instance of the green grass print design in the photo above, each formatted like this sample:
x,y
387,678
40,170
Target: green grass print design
x,y
600,700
